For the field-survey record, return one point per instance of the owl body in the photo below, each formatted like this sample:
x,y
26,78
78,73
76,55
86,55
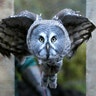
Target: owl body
x,y
49,74
49,43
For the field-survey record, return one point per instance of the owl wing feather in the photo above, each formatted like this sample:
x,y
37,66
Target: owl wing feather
x,y
79,28
13,32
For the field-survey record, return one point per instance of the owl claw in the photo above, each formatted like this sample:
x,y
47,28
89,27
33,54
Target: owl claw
x,y
53,85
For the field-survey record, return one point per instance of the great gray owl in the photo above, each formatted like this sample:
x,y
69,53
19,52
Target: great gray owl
x,y
48,40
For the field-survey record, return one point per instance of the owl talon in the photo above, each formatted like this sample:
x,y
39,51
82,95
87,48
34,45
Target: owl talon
x,y
53,85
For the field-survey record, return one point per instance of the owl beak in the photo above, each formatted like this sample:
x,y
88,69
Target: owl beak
x,y
47,48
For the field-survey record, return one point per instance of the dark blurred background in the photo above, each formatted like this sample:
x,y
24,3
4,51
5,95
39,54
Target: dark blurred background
x,y
73,73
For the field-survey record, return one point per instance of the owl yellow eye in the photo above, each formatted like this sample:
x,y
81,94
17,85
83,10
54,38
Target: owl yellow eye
x,y
53,39
41,39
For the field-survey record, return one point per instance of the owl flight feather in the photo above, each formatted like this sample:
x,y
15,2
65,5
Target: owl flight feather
x,y
18,36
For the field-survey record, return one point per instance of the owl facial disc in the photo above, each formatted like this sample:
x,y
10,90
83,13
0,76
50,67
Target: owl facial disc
x,y
48,39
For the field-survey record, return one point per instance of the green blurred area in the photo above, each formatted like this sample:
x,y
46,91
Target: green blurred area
x,y
49,8
73,71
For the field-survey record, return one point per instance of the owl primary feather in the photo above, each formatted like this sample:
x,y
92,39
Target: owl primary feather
x,y
48,40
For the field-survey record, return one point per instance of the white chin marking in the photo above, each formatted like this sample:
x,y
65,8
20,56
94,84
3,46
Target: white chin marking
x,y
43,54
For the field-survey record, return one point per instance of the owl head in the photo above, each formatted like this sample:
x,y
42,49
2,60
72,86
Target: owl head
x,y
48,39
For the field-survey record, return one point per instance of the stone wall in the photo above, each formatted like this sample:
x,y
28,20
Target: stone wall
x,y
91,51
6,65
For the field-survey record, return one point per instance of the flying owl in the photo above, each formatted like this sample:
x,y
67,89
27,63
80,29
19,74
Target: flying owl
x,y
49,41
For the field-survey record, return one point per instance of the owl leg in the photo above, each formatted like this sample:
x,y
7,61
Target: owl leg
x,y
53,81
44,82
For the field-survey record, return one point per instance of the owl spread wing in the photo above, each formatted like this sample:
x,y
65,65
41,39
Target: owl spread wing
x,y
13,32
79,28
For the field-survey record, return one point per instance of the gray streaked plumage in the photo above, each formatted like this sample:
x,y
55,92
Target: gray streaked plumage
x,y
78,27
13,32
49,40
